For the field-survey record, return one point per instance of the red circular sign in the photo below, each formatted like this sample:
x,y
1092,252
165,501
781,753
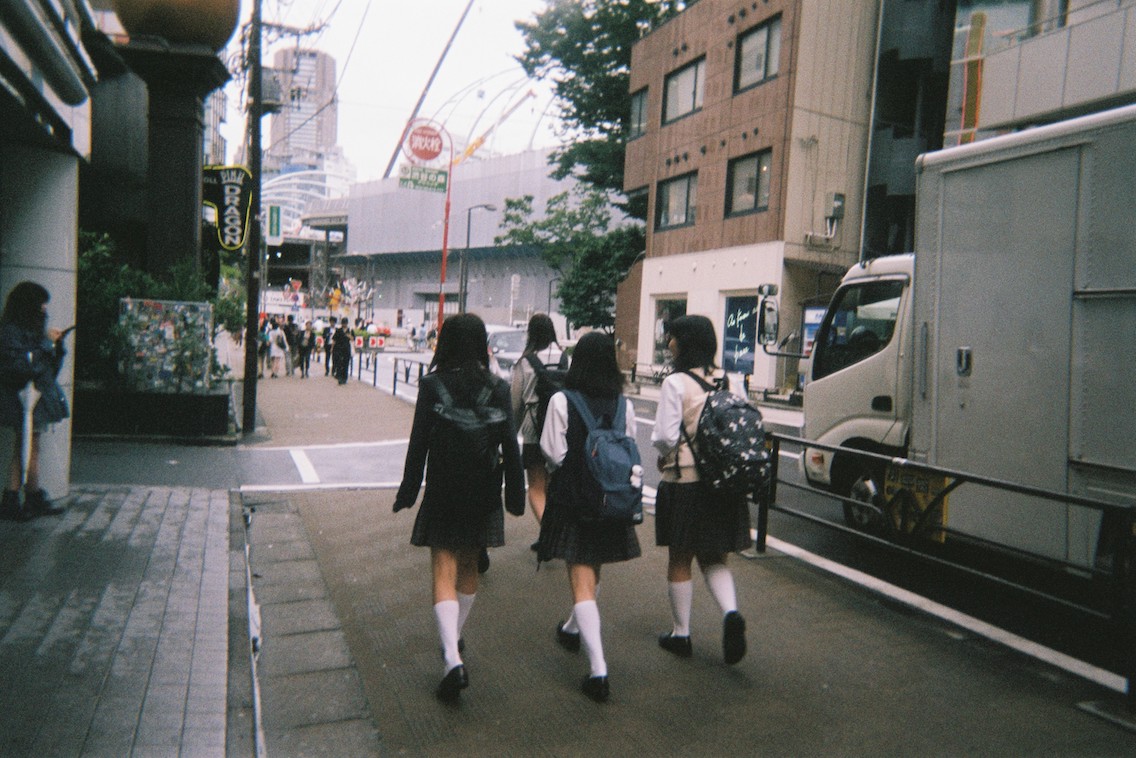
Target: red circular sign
x,y
424,142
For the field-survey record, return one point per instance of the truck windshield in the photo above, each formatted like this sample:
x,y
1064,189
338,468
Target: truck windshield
x,y
859,323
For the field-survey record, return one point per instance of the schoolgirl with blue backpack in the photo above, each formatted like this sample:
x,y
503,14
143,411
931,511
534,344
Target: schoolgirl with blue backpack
x,y
594,494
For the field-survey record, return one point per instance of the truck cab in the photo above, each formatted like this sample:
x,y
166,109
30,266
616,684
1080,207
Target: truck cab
x,y
857,390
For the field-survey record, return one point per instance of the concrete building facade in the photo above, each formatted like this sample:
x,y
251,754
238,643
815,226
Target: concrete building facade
x,y
45,136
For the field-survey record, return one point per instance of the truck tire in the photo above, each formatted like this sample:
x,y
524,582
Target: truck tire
x,y
862,481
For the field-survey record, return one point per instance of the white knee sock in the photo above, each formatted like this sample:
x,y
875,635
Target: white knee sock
x,y
587,615
446,613
465,605
720,581
681,595
570,625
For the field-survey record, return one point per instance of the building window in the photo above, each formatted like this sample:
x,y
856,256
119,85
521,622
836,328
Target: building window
x,y
683,93
675,202
758,56
747,183
638,125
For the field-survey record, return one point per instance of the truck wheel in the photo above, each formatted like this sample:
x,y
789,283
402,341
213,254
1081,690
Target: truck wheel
x,y
865,486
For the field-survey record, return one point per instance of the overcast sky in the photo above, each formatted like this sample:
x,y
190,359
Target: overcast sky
x,y
385,51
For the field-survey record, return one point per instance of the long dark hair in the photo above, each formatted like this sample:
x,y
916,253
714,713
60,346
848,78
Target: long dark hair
x,y
462,342
24,307
541,333
697,342
594,370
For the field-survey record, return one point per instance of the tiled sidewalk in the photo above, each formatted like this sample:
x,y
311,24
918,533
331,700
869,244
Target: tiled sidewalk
x,y
113,625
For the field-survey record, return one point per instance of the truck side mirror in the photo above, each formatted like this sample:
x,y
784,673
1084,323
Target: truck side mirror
x,y
768,322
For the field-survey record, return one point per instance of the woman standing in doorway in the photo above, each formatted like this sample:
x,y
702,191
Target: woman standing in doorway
x,y
461,508
689,521
30,353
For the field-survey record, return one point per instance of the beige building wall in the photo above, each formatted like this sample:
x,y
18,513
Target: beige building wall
x,y
813,116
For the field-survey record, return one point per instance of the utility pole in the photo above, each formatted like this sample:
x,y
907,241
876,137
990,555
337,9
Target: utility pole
x,y
252,260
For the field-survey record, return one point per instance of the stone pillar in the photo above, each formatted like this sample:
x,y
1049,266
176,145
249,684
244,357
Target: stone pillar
x,y
178,78
39,192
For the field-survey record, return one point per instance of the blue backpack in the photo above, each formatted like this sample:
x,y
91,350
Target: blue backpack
x,y
612,463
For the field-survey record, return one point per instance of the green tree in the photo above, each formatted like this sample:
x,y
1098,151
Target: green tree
x,y
576,241
584,48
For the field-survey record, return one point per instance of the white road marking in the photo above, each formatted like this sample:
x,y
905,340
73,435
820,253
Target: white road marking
x,y
334,445
970,623
307,471
321,486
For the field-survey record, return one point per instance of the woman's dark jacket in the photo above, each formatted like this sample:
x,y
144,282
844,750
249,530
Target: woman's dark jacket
x,y
448,488
26,356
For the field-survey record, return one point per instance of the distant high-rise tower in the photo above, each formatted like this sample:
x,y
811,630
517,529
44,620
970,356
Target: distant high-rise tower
x,y
304,130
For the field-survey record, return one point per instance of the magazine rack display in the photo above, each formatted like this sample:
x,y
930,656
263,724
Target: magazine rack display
x,y
168,345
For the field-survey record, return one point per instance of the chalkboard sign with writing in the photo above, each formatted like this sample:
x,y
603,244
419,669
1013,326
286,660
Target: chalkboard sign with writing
x,y
739,334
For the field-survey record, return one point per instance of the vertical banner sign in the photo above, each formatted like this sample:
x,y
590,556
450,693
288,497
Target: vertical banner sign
x,y
423,144
274,236
228,190
739,335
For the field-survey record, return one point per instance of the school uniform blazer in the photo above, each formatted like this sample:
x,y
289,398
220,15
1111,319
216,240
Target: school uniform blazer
x,y
446,487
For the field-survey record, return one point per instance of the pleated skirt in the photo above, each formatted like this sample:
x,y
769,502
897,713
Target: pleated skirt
x,y
692,520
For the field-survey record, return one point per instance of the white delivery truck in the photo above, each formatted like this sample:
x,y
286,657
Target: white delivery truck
x,y
1004,347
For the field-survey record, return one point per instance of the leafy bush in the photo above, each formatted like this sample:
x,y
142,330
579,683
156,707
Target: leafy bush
x,y
104,281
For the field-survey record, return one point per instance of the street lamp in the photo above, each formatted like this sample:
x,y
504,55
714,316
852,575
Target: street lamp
x,y
463,275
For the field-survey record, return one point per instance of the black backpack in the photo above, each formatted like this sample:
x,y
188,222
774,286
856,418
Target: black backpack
x,y
468,438
729,443
612,466
549,381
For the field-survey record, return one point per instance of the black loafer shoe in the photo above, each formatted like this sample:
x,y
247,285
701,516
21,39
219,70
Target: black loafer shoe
x,y
483,561
452,684
570,641
680,646
733,637
597,688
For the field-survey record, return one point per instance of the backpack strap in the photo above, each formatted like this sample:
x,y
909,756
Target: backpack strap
x,y
581,406
447,399
707,386
444,394
536,364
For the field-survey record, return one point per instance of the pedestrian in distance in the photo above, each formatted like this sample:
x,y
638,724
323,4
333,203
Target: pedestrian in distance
x,y
341,341
461,511
292,359
328,344
585,546
261,348
277,348
692,523
306,342
30,354
541,338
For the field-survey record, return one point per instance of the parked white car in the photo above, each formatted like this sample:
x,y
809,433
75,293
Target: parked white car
x,y
505,347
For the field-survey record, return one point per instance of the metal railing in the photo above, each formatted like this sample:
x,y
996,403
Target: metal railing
x,y
905,526
412,370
